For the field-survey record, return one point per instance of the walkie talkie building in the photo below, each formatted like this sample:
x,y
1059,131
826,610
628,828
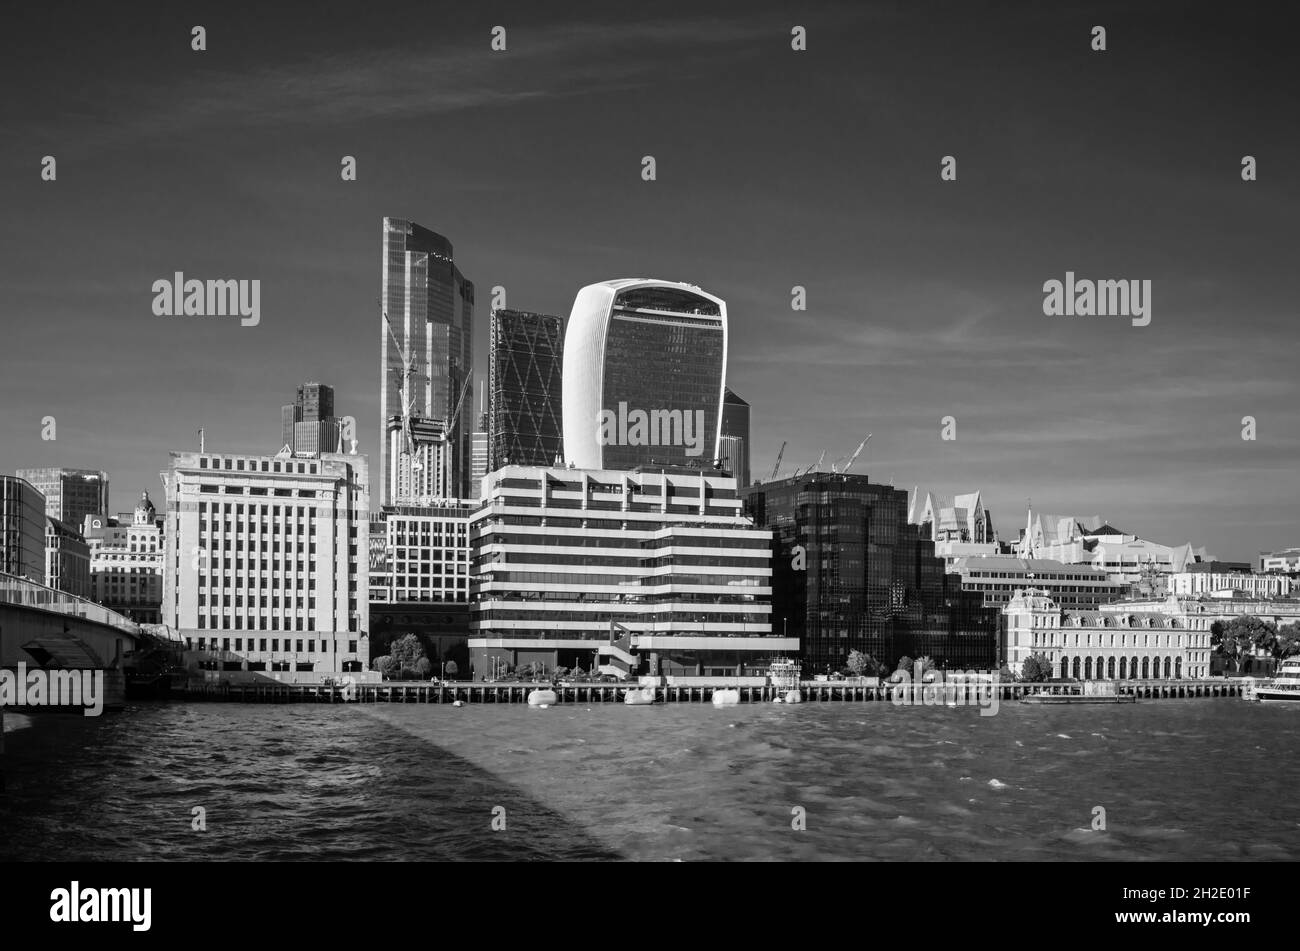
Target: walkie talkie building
x,y
644,366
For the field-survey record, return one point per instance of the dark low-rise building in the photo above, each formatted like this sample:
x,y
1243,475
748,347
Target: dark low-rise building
x,y
851,573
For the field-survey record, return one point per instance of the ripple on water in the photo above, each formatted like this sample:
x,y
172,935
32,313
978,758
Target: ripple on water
x,y
308,783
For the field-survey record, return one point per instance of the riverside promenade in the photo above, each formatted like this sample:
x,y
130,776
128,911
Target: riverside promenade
x,y
809,692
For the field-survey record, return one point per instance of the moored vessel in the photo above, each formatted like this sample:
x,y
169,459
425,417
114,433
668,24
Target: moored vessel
x,y
1284,687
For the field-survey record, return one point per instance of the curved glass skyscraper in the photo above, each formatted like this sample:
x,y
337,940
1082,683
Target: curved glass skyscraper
x,y
644,366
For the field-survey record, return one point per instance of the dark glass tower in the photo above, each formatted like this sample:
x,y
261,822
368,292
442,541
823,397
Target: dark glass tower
x,y
308,423
865,579
430,308
734,450
525,380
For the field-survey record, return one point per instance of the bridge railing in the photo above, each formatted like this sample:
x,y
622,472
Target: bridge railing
x,y
21,591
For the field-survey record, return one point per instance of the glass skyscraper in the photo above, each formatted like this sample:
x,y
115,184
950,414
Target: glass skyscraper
x,y
644,365
525,379
70,494
851,573
430,309
734,451
308,424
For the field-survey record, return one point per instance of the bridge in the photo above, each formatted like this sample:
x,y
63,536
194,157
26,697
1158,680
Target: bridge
x,y
44,628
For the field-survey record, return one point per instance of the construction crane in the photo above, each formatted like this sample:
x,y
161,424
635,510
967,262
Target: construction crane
x,y
853,458
777,467
408,370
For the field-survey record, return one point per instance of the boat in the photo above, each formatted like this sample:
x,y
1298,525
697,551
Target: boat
x,y
793,696
639,696
542,698
1094,691
724,697
1285,685
1046,698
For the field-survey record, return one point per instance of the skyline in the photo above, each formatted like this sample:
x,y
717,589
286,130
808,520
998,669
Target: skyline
x,y
924,298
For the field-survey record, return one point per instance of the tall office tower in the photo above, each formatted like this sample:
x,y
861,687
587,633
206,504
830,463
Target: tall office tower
x,y
851,573
644,367
308,424
526,380
266,561
427,368
22,529
620,572
734,451
70,494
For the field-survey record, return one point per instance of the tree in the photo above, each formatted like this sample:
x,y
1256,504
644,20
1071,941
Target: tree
x,y
406,651
857,663
1036,669
926,664
1235,640
904,663
383,664
560,672
423,666
1005,675
451,669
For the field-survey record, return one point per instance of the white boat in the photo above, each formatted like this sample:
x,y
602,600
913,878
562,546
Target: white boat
x,y
542,698
639,696
1285,685
724,697
793,696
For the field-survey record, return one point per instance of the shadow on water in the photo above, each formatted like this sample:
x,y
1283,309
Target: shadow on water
x,y
272,783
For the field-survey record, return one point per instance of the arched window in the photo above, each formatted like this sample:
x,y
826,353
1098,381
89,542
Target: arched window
x,y
1077,668
1110,668
1146,668
1087,668
1178,668
1123,668
1167,667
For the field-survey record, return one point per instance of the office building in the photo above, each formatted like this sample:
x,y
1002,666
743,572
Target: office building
x,y
644,366
1122,641
1072,587
526,383
1211,579
22,529
426,368
308,424
851,573
67,559
641,571
1286,560
266,562
734,445
70,494
126,561
419,579
480,452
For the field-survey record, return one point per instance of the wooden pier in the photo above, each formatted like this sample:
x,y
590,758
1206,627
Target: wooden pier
x,y
809,692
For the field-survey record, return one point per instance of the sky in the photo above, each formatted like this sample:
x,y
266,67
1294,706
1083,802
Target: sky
x,y
775,168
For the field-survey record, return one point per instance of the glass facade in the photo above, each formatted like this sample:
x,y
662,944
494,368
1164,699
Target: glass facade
x,y
70,494
526,379
865,580
22,529
430,307
664,350
734,450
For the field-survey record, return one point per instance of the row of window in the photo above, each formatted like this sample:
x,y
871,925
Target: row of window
x,y
295,645
266,465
